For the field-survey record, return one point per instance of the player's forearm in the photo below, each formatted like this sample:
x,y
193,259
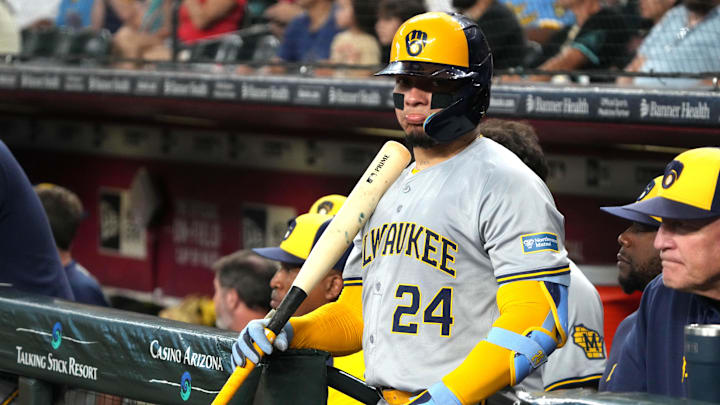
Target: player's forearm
x,y
524,307
336,327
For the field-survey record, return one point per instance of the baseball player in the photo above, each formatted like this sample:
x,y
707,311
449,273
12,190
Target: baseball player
x,y
582,361
457,284
638,264
302,234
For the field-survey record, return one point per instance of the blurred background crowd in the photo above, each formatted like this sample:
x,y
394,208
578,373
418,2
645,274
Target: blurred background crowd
x,y
663,42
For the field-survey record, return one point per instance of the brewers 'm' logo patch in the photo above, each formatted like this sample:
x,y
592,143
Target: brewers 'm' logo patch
x,y
590,341
415,42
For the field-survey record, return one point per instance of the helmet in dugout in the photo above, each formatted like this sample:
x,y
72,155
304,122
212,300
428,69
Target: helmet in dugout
x,y
445,46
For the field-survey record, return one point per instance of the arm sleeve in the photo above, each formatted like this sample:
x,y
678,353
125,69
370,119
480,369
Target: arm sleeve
x,y
336,327
524,306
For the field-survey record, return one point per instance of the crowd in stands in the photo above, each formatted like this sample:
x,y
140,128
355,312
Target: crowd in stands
x,y
582,37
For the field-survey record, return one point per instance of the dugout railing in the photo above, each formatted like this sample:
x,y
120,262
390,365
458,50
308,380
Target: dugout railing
x,y
60,352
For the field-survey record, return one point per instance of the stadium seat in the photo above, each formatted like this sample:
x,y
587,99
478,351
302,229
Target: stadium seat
x,y
52,45
39,43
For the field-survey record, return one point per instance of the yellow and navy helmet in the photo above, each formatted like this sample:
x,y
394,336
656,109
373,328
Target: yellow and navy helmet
x,y
690,187
445,46
328,205
301,236
650,191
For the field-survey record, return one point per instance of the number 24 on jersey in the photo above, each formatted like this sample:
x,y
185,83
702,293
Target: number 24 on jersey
x,y
438,311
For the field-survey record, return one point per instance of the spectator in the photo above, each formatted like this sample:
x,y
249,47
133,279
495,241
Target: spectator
x,y
242,291
28,258
31,14
503,31
65,213
279,16
688,290
684,41
580,363
145,34
303,232
391,14
309,35
641,16
654,10
598,40
638,264
356,45
9,32
112,14
201,19
74,14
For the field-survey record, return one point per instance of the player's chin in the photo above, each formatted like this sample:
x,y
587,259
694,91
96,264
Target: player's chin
x,y
675,276
415,137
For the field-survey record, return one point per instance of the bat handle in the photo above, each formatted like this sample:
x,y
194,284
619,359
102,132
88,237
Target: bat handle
x,y
239,375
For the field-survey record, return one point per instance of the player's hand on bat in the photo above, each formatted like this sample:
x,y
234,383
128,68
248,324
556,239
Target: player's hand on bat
x,y
437,394
243,348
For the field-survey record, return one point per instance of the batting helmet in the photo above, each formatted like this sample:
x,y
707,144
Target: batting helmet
x,y
446,46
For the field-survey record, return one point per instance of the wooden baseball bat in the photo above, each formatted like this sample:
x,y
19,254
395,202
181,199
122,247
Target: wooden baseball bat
x,y
360,204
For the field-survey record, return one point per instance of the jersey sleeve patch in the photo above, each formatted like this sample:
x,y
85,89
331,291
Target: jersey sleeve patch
x,y
539,242
537,274
352,281
591,341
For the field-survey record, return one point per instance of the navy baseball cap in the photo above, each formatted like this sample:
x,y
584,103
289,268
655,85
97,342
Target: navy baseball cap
x,y
650,191
302,234
690,187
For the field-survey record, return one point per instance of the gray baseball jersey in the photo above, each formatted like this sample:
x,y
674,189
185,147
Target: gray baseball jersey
x,y
434,252
582,359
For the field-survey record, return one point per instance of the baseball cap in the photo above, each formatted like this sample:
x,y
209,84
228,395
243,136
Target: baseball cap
x,y
302,234
650,191
690,187
329,204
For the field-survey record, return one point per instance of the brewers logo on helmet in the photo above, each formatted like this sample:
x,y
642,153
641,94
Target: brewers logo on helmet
x,y
445,46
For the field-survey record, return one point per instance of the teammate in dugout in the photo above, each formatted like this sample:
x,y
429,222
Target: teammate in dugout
x,y
688,290
638,264
457,284
581,362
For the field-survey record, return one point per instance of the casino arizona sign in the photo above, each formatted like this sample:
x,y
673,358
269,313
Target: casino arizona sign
x,y
175,355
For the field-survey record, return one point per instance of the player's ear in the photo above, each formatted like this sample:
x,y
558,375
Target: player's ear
x,y
333,286
231,298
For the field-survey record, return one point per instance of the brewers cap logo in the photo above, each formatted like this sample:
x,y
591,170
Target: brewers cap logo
x,y
415,42
647,190
291,227
672,173
590,341
325,207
